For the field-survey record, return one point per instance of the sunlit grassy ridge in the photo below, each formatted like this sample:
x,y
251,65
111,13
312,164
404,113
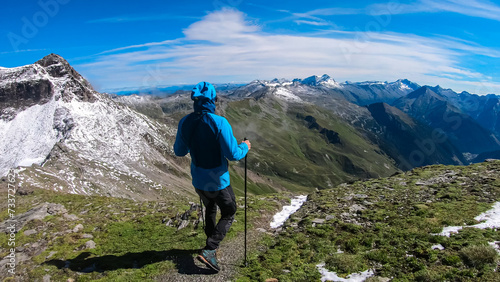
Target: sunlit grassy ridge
x,y
386,224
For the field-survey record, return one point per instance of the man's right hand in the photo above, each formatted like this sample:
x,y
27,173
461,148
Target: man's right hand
x,y
248,144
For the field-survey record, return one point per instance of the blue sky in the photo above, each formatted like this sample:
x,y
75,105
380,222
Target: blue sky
x,y
141,44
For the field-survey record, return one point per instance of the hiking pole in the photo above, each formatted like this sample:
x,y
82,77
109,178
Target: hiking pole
x,y
246,261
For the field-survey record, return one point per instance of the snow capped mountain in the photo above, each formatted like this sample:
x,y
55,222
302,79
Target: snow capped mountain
x,y
33,112
360,93
405,85
276,82
325,81
369,92
85,142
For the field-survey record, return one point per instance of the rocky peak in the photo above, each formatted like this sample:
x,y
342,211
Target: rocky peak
x,y
280,80
408,84
51,77
425,92
324,80
57,66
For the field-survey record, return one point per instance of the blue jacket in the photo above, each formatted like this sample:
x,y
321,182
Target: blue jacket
x,y
210,141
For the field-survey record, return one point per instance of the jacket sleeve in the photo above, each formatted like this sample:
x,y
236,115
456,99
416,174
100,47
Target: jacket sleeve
x,y
229,145
180,148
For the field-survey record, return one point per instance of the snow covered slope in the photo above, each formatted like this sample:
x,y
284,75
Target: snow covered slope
x,y
75,139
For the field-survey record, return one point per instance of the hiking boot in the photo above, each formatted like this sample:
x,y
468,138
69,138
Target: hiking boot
x,y
209,257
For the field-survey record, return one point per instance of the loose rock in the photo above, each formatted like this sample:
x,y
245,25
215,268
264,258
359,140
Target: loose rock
x,y
78,228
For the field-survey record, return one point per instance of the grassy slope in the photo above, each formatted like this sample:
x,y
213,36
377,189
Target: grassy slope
x,y
386,224
132,243
284,149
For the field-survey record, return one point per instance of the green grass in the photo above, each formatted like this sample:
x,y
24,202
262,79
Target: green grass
x,y
393,234
132,243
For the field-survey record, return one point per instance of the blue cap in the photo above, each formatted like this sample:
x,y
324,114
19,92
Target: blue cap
x,y
203,90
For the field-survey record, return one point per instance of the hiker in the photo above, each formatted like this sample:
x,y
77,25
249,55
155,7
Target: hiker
x,y
210,141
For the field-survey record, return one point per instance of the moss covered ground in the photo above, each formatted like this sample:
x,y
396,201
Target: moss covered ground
x,y
387,225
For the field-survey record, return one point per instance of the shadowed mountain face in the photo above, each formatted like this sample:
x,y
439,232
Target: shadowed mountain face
x,y
304,144
411,142
485,110
438,112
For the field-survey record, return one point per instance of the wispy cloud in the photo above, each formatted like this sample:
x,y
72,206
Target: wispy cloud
x,y
472,8
150,44
334,12
244,52
314,17
315,23
22,51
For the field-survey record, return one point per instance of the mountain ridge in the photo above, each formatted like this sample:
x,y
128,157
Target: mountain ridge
x,y
80,140
439,112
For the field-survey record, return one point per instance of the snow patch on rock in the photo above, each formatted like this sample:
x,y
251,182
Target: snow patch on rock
x,y
287,211
327,275
28,138
437,247
286,94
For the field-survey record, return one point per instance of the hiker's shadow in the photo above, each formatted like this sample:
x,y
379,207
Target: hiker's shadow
x,y
183,260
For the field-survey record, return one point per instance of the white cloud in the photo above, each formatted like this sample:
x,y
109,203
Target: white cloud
x,y
221,27
225,47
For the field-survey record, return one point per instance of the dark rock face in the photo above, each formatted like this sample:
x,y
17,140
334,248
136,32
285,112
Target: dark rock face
x,y
331,136
24,94
404,138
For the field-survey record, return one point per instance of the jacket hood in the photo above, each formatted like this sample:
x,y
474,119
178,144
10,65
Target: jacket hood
x,y
203,106
203,96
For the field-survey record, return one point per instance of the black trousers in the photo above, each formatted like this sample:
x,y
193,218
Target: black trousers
x,y
226,202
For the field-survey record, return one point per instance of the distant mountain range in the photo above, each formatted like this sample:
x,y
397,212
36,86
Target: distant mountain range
x,y
165,90
307,133
469,122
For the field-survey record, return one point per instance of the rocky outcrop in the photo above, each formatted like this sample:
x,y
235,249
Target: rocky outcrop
x,y
58,67
19,95
36,213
